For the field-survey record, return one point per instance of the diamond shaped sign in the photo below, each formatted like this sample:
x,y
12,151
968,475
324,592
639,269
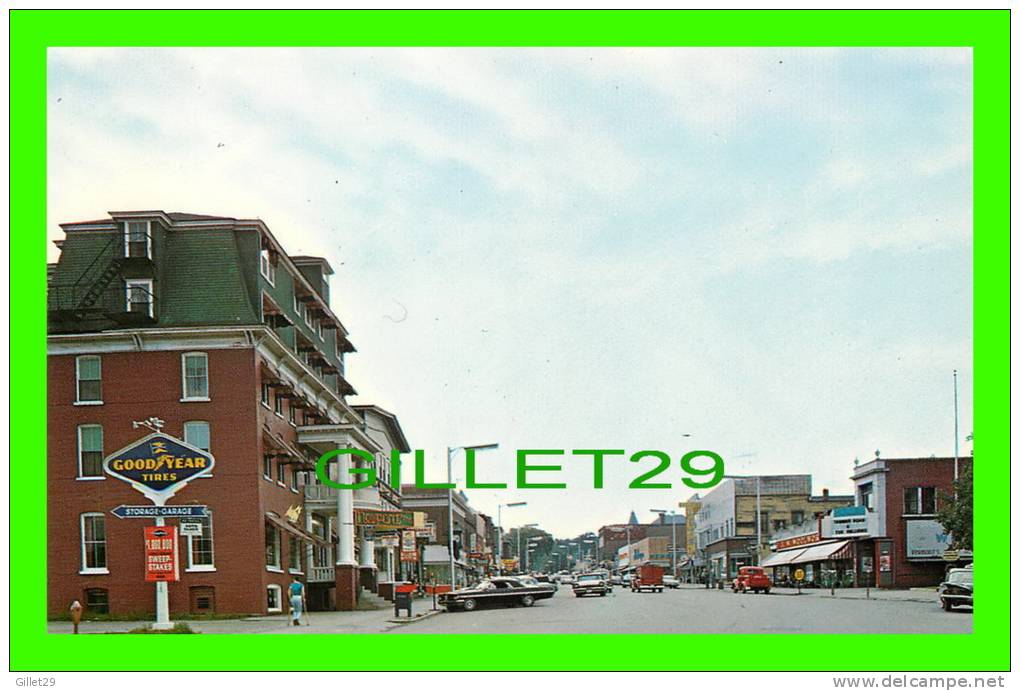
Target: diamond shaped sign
x,y
159,465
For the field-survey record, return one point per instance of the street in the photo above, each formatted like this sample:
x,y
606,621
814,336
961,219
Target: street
x,y
698,610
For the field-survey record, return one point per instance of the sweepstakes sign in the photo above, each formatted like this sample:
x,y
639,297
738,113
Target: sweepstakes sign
x,y
159,465
161,553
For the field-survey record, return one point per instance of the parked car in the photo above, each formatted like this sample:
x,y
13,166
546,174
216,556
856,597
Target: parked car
x,y
495,591
958,588
616,579
648,577
566,579
591,584
670,581
536,582
752,578
546,580
626,578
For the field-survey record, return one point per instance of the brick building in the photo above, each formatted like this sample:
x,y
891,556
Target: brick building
x,y
904,494
472,548
206,323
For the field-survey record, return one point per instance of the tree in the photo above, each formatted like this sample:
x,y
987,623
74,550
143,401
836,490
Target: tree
x,y
957,510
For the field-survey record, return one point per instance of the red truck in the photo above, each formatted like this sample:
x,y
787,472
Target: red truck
x,y
647,577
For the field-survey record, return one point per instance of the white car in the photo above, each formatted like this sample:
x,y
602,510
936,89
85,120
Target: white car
x,y
670,581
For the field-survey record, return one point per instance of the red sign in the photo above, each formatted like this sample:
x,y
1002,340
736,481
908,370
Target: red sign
x,y
409,546
797,541
161,553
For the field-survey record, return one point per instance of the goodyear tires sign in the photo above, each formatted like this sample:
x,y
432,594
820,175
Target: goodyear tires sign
x,y
158,465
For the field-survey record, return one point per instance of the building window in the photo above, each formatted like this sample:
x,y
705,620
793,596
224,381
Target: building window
x,y
264,395
919,500
137,239
294,479
778,524
281,473
318,329
272,546
196,433
267,467
200,548
297,305
278,404
89,375
90,451
294,545
97,600
308,316
273,598
797,517
139,296
267,266
867,496
93,543
195,367
292,414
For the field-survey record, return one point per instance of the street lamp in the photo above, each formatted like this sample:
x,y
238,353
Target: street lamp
x,y
672,515
532,546
450,450
499,529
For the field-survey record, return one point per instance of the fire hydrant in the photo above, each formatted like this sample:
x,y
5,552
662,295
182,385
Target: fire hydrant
x,y
76,614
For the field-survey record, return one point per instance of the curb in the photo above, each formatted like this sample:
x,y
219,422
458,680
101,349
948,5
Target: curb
x,y
420,617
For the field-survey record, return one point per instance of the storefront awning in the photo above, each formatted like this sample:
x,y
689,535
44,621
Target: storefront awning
x,y
820,552
294,529
787,556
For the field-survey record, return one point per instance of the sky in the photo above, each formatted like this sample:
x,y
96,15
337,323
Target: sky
x,y
766,253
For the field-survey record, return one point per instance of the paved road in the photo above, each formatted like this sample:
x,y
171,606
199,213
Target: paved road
x,y
703,611
687,610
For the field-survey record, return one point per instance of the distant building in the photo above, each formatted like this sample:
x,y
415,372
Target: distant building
x,y
735,520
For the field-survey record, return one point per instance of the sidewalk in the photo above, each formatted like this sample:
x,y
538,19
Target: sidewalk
x,y
911,595
371,621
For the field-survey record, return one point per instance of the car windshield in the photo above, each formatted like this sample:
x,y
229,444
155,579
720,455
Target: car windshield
x,y
592,577
962,577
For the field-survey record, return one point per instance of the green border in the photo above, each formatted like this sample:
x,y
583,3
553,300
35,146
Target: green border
x,y
987,32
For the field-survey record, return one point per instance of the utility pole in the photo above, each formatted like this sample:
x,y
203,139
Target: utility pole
x,y
956,431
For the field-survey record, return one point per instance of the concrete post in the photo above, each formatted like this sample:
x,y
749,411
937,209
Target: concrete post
x,y
346,566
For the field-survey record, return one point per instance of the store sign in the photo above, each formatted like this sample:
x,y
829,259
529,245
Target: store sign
x,y
797,541
182,511
926,540
387,541
429,531
191,529
161,553
850,521
159,465
408,546
383,520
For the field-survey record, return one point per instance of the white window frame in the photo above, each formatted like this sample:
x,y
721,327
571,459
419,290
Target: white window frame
x,y
184,377
265,392
308,317
208,429
203,567
84,570
291,552
281,472
267,459
318,329
266,267
148,238
294,485
297,305
279,598
139,282
77,380
81,472
278,404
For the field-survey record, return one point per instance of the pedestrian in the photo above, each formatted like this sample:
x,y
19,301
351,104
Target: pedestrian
x,y
297,596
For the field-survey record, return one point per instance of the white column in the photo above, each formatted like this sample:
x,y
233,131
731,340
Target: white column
x,y
367,546
345,514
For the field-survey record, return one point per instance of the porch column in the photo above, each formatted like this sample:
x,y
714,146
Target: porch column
x,y
367,566
346,566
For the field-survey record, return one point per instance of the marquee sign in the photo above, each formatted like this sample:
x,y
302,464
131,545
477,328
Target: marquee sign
x,y
159,465
384,520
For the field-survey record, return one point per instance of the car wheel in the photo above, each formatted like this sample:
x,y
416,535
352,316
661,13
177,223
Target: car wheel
x,y
602,594
947,605
470,605
527,600
767,590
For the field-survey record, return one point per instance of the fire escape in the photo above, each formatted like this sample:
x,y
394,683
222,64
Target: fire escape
x,y
116,286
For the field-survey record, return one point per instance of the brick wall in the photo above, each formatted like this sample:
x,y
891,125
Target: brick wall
x,y
137,385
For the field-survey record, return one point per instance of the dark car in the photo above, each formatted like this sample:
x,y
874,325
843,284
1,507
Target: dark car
x,y
958,588
495,591
538,581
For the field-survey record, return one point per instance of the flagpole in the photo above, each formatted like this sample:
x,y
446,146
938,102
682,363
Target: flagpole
x,y
956,431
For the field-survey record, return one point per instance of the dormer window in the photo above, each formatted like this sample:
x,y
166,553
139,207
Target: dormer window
x,y
139,296
267,265
138,239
